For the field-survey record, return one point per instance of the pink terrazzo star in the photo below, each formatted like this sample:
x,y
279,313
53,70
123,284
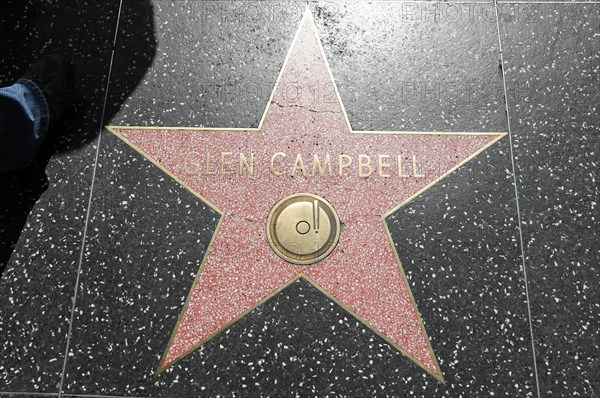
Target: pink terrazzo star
x,y
305,117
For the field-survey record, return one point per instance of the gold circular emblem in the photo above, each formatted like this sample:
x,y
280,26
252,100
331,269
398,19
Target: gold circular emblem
x,y
303,228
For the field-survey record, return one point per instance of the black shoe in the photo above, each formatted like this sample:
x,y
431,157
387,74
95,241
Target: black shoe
x,y
54,75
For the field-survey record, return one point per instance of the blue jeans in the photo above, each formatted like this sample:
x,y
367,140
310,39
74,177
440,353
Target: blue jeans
x,y
24,121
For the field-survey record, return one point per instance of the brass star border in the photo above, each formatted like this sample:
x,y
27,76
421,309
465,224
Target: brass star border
x,y
160,145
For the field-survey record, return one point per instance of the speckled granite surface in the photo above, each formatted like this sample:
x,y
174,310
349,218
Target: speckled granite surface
x,y
37,286
405,66
552,71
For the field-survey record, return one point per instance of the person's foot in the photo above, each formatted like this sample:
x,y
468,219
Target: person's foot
x,y
53,73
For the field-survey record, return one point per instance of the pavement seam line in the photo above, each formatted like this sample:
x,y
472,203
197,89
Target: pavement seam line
x,y
516,189
89,205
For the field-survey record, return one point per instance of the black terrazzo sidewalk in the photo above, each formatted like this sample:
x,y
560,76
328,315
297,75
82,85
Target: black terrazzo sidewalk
x,y
100,247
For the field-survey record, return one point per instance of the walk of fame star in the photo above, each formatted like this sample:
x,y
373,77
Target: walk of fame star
x,y
304,158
